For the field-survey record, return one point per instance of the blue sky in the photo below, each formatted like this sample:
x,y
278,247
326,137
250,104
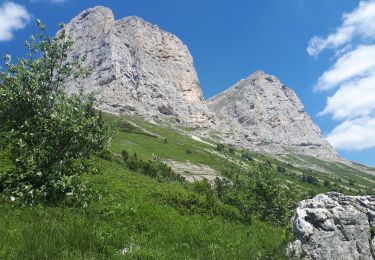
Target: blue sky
x,y
321,48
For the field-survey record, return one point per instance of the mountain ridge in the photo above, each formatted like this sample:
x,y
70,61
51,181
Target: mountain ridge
x,y
143,70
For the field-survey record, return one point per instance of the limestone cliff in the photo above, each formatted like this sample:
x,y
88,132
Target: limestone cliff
x,y
138,68
262,113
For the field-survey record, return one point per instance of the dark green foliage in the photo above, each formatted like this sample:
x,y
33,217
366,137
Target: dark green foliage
x,y
247,156
310,179
199,197
165,140
154,168
258,193
125,126
372,232
327,183
124,155
281,169
50,135
189,152
220,147
231,149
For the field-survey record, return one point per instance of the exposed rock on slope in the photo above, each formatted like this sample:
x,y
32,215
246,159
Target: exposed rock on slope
x,y
262,113
139,68
334,226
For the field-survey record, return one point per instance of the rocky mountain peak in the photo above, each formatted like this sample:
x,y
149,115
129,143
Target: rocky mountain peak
x,y
138,68
262,113
143,70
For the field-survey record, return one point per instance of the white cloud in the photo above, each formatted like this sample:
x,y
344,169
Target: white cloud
x,y
13,17
357,63
353,77
358,23
355,134
353,99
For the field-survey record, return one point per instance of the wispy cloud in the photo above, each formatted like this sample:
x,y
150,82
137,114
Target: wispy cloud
x,y
359,23
354,134
13,17
359,62
353,77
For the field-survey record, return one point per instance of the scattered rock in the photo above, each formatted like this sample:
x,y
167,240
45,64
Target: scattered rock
x,y
193,172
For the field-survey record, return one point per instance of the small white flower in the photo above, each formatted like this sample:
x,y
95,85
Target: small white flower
x,y
126,250
12,198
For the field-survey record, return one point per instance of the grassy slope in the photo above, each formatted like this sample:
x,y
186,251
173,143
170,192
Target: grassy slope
x,y
342,178
133,212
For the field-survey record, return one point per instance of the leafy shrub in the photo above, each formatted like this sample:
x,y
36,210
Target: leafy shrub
x,y
51,135
220,147
154,168
198,197
258,193
127,127
124,155
189,152
247,156
281,169
310,179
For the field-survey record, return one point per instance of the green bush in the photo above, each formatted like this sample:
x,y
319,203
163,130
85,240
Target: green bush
x,y
310,179
257,193
154,168
247,156
198,197
220,147
50,135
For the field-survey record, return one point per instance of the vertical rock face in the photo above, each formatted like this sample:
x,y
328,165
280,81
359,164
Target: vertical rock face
x,y
138,68
262,113
334,226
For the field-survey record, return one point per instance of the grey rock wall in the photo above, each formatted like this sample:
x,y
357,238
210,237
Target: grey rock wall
x,y
262,113
138,68
333,226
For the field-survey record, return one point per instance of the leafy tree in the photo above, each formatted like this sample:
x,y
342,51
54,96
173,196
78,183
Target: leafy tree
x,y
50,135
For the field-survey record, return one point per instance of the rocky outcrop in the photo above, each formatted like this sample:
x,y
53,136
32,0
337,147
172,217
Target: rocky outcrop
x,y
137,68
260,112
334,226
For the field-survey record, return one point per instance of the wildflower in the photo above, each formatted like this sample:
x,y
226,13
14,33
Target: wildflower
x,y
126,250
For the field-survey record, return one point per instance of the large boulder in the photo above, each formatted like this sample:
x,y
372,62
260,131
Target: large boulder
x,y
334,226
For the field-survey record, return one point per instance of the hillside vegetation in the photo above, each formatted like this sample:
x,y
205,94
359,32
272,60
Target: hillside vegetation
x,y
139,216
